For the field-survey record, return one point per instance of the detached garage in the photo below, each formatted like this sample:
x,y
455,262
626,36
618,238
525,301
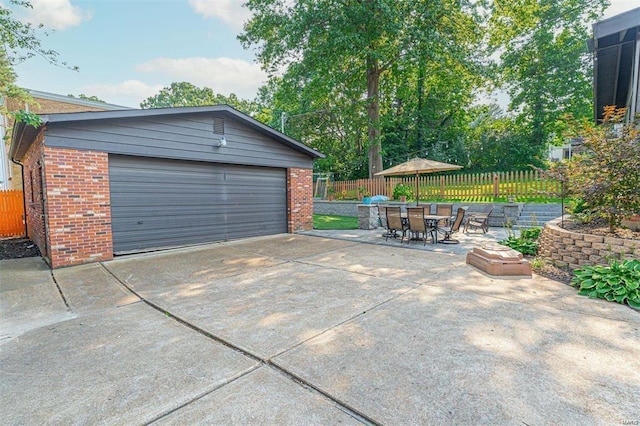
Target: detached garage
x,y
104,183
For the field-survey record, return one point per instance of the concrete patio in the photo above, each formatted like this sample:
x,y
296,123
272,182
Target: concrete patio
x,y
302,329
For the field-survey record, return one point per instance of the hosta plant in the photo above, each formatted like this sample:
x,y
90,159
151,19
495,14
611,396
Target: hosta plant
x,y
619,282
523,245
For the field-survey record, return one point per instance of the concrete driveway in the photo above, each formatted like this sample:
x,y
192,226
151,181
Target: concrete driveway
x,y
299,329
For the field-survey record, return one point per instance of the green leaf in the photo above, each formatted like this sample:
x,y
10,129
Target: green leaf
x,y
587,284
613,280
632,284
633,304
620,298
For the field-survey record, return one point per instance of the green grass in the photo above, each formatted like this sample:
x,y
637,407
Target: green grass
x,y
327,221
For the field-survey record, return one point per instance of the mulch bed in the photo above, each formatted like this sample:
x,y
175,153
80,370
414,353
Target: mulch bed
x,y
17,248
600,227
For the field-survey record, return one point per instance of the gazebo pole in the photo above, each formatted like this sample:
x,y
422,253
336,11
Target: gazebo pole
x,y
417,189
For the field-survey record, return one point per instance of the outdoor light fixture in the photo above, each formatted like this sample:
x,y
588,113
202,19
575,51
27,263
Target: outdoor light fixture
x,y
221,142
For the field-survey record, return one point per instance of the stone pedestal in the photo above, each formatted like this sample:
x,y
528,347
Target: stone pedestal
x,y
367,216
499,260
511,212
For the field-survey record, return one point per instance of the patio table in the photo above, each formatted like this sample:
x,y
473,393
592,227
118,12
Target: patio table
x,y
431,221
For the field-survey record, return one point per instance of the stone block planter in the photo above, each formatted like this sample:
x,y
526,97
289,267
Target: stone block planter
x,y
573,249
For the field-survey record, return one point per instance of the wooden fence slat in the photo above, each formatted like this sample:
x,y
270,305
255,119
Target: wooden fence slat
x,y
474,187
11,214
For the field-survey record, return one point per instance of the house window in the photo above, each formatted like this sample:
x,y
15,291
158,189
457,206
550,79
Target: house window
x,y
218,126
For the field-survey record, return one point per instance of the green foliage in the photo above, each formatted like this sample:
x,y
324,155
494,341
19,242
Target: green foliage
x,y
544,65
526,243
619,282
363,191
19,41
607,175
524,246
87,98
186,94
357,68
401,190
530,233
326,222
26,117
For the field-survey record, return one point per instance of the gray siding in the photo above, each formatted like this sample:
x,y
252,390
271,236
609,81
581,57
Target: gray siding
x,y
159,203
185,137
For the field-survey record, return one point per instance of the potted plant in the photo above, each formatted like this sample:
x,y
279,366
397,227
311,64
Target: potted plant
x,y
402,192
331,193
364,195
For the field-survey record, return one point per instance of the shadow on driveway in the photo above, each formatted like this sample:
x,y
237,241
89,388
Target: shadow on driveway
x,y
316,330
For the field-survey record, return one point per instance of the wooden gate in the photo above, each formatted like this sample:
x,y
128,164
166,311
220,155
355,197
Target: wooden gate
x,y
11,214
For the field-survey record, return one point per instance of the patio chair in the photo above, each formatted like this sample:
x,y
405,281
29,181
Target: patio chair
x,y
394,223
417,224
427,208
479,220
445,210
448,231
382,221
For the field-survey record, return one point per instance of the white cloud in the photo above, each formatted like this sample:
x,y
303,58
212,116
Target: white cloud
x,y
128,93
228,11
56,14
620,6
223,75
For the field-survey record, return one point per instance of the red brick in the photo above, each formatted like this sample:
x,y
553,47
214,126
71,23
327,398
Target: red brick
x,y
299,199
78,224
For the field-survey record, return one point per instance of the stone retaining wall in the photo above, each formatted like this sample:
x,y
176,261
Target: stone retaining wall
x,y
350,208
566,248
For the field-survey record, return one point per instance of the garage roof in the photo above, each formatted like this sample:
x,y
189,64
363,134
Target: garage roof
x,y
24,135
616,61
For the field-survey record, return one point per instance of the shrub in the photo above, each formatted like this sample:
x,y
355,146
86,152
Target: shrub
x,y
606,175
618,282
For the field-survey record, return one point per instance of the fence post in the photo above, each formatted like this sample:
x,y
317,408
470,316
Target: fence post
x,y
496,185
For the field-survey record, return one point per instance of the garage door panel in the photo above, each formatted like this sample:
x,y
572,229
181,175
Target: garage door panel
x,y
160,203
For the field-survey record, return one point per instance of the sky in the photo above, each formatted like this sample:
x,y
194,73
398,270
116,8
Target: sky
x,y
127,50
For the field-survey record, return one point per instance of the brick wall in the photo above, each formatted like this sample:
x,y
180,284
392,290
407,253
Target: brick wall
x,y
299,199
565,248
76,204
33,194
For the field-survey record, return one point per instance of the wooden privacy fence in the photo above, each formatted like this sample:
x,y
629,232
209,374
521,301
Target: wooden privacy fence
x,y
11,214
478,186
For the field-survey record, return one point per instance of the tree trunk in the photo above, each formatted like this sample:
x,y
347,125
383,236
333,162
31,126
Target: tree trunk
x,y
373,111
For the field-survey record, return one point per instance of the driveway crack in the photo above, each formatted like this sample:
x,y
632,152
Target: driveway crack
x,y
361,417
64,299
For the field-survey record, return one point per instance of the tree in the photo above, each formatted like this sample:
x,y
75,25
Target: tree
x,y
19,42
342,50
544,64
87,98
186,94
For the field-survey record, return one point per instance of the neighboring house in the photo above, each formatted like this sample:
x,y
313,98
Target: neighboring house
x,y
616,47
566,151
46,103
104,183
